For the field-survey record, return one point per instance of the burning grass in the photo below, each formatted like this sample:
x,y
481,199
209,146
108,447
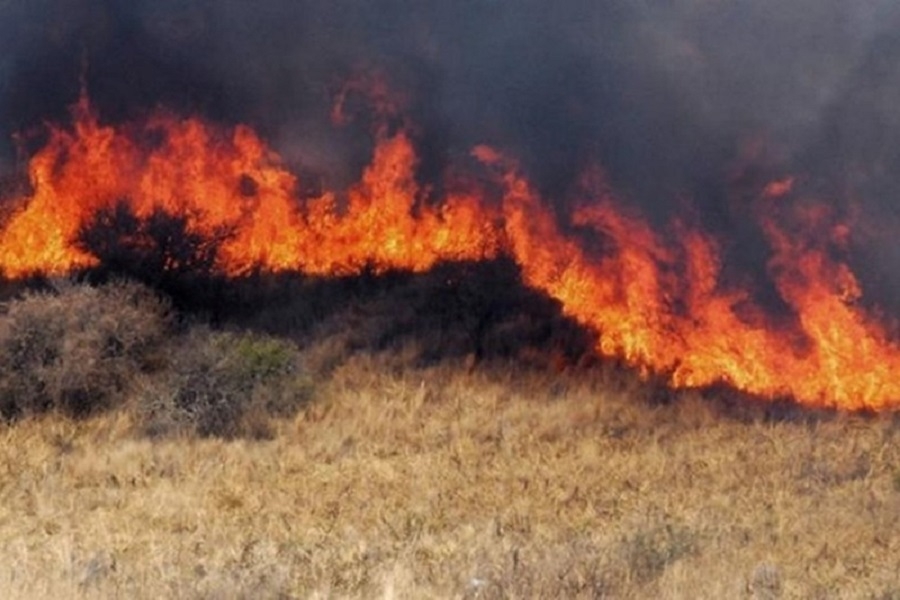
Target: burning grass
x,y
362,463
205,203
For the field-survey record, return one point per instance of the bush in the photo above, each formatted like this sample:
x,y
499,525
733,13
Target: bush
x,y
160,250
226,385
77,348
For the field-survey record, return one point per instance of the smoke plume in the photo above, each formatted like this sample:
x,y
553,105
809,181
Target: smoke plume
x,y
662,94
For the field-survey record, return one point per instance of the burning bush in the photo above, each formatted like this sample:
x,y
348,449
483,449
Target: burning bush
x,y
76,348
159,250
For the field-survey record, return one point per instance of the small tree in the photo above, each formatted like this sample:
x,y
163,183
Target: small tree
x,y
159,250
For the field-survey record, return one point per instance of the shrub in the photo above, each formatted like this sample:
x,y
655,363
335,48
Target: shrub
x,y
226,385
76,348
160,250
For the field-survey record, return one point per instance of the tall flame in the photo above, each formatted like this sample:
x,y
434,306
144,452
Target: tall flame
x,y
656,302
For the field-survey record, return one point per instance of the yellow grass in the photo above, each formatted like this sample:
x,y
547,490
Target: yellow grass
x,y
501,483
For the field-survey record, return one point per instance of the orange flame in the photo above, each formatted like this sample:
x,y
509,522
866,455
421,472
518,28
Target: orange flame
x,y
656,302
844,359
231,179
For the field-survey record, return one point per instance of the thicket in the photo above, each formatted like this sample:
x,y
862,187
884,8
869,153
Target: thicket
x,y
80,349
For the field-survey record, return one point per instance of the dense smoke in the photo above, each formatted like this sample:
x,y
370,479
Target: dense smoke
x,y
675,99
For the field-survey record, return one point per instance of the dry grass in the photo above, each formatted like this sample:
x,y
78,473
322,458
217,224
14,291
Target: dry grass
x,y
434,482
339,470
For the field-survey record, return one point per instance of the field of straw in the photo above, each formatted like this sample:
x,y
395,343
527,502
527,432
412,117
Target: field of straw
x,y
387,469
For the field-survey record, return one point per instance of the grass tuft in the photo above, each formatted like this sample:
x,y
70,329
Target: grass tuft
x,y
650,551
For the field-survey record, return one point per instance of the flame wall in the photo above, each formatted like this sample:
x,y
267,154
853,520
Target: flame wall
x,y
655,298
741,229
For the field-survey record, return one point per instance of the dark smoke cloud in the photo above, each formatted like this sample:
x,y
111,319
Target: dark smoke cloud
x,y
666,95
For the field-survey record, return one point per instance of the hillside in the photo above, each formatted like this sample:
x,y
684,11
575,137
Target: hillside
x,y
396,459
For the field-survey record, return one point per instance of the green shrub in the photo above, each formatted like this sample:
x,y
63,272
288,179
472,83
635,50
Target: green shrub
x,y
76,348
225,384
263,357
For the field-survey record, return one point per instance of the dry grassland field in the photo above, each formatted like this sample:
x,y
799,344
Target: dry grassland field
x,y
368,453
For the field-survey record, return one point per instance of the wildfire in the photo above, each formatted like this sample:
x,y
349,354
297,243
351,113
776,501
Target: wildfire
x,y
656,301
